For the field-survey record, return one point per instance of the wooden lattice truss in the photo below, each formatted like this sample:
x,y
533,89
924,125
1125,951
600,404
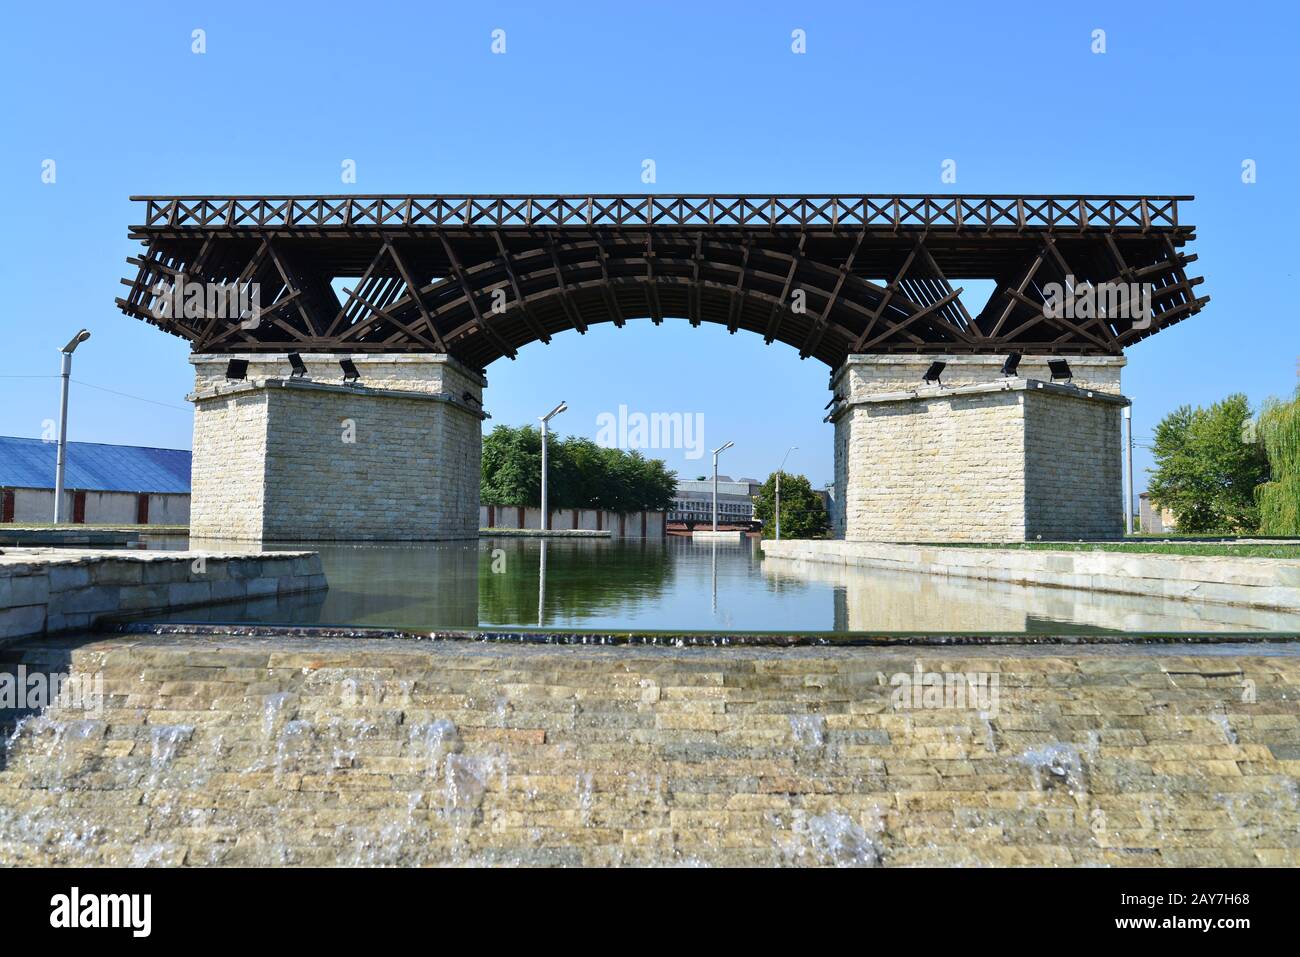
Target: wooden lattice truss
x,y
480,277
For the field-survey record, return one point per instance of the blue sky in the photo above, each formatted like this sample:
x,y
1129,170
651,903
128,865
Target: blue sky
x,y
711,92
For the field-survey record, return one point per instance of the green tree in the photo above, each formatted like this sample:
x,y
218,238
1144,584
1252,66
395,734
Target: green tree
x,y
802,512
1278,430
1206,472
582,474
512,466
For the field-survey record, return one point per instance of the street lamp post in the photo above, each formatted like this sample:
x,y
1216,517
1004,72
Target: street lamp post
x,y
716,452
778,490
65,373
546,515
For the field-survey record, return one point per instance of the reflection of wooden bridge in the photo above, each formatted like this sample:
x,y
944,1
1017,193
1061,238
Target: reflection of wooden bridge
x,y
687,526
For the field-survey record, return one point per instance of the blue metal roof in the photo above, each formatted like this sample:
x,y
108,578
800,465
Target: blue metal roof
x,y
29,463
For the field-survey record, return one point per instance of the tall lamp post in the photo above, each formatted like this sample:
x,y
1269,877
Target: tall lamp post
x,y
778,490
716,453
65,373
546,515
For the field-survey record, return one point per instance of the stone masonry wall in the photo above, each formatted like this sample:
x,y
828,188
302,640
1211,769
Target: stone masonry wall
x,y
256,752
1074,461
228,467
61,589
940,468
409,470
396,458
982,458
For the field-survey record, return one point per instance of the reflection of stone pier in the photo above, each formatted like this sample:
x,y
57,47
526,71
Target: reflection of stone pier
x,y
879,600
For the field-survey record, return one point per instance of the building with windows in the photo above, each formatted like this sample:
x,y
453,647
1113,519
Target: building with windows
x,y
103,484
693,502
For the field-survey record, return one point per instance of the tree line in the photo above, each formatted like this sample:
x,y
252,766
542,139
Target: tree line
x,y
581,473
1221,470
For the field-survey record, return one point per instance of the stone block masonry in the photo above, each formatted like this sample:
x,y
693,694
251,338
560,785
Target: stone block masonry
x,y
396,458
260,752
1268,583
44,591
980,457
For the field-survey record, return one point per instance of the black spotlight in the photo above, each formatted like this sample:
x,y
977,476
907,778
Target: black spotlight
x,y
299,367
1060,369
237,369
1011,365
932,374
469,397
350,373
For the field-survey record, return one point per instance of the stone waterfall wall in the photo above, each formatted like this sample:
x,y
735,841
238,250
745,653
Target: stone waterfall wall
x,y
395,458
980,458
264,751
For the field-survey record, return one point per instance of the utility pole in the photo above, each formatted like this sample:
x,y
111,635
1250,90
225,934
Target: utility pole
x,y
61,461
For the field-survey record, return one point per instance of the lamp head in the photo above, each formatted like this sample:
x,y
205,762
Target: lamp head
x,y
75,341
723,448
562,407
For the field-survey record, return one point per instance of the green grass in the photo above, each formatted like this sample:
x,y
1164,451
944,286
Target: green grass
x,y
1207,549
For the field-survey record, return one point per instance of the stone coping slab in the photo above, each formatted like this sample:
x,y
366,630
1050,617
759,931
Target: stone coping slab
x,y
1283,643
307,385
1257,582
984,388
359,359
47,590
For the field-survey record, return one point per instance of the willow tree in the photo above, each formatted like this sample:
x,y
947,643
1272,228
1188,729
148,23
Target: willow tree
x,y
1278,430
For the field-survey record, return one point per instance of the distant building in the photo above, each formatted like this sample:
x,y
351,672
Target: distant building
x,y
694,500
827,495
1154,522
103,484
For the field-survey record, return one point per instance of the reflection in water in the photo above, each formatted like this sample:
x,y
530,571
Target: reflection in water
x,y
680,585
868,599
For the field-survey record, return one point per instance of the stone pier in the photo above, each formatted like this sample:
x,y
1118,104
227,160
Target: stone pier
x,y
981,457
395,457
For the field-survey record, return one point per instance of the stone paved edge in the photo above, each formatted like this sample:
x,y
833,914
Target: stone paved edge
x,y
1255,582
50,591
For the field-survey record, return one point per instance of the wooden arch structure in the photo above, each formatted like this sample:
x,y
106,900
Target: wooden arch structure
x,y
478,277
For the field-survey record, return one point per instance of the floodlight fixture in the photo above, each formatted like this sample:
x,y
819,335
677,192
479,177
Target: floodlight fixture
x,y
299,367
1060,369
933,373
1011,365
237,369
350,373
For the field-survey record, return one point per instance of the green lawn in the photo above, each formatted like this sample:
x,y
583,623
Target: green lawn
x,y
1159,547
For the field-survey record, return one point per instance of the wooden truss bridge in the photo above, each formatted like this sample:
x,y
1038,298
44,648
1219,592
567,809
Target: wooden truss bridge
x,y
479,277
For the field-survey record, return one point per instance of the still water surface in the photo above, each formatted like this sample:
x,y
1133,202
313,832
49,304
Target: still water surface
x,y
680,585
